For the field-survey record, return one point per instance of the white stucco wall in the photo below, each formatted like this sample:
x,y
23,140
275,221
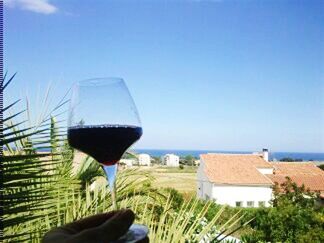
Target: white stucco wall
x,y
171,160
200,179
128,162
144,159
204,187
230,194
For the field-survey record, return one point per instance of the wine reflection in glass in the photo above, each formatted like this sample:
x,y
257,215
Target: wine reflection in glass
x,y
104,123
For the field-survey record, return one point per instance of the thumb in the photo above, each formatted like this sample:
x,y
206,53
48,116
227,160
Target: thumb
x,y
107,232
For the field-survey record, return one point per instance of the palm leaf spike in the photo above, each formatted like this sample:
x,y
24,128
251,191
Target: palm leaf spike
x,y
3,87
211,224
224,227
8,127
53,137
2,79
28,111
162,222
12,116
233,231
183,219
150,221
200,215
62,102
203,211
9,106
44,105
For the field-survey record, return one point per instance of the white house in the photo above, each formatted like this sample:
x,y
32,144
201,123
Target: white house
x,y
171,160
144,159
127,162
197,162
235,179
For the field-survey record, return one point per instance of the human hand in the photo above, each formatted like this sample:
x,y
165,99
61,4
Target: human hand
x,y
100,228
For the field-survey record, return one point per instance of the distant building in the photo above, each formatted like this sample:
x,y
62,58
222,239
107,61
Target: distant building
x,y
235,179
128,162
197,162
144,159
171,160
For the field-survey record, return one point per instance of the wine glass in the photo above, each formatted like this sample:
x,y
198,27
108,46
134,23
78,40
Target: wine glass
x,y
103,123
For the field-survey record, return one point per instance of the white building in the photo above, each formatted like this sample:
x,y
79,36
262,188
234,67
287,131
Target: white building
x,y
197,162
171,160
235,179
128,162
144,159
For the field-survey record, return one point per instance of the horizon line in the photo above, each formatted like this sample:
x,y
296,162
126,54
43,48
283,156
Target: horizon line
x,y
220,150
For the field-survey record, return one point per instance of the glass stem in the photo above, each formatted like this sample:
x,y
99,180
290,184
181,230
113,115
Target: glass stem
x,y
113,196
111,172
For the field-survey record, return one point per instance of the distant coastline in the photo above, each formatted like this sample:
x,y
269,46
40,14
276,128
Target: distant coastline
x,y
196,153
273,155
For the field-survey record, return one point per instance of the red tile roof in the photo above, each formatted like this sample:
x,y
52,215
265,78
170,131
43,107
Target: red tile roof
x,y
305,173
237,169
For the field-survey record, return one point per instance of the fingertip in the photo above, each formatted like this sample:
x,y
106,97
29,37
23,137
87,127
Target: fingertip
x,y
118,224
129,214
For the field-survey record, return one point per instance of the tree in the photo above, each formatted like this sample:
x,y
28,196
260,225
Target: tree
x,y
289,192
156,160
189,160
289,159
293,217
321,166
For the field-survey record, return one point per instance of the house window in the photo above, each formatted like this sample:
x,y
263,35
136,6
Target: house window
x,y
261,203
250,203
239,204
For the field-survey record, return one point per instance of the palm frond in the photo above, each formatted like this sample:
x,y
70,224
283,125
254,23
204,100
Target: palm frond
x,y
30,185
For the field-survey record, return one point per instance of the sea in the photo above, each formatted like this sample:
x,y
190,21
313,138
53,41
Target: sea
x,y
272,155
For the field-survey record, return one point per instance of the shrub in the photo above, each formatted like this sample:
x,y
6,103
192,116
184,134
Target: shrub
x,y
177,198
293,217
321,166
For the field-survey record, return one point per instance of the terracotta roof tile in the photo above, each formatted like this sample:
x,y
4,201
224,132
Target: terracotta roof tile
x,y
305,173
235,169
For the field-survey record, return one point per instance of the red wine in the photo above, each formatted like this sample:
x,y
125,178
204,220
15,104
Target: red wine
x,y
105,143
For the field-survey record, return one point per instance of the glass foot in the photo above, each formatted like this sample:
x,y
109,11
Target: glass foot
x,y
134,234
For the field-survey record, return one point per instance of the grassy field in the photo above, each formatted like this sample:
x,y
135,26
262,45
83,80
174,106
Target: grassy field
x,y
183,180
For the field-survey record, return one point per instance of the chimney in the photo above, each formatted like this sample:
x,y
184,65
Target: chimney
x,y
265,154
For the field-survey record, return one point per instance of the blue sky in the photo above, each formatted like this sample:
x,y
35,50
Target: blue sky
x,y
219,75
